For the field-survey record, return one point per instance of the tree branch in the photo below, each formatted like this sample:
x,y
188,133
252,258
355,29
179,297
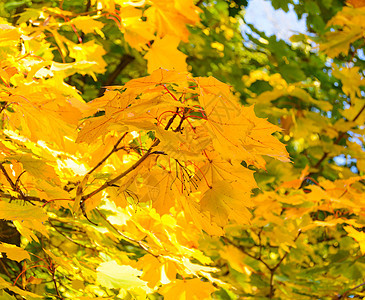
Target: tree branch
x,y
12,184
243,250
115,149
120,176
125,60
344,295
142,159
271,269
338,139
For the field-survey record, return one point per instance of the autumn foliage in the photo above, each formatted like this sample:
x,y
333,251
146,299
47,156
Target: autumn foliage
x,y
146,152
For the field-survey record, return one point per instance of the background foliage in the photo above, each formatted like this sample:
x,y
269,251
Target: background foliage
x,y
115,185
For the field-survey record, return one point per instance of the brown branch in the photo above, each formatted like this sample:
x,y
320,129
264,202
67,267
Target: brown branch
x,y
88,5
12,184
125,60
338,139
5,269
53,272
243,250
126,172
115,149
172,119
3,106
344,295
260,243
272,270
27,198
286,253
120,176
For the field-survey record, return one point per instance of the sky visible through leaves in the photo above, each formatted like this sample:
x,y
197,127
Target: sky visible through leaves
x,y
264,17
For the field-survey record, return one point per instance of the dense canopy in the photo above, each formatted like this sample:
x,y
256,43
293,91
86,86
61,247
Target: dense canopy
x,y
167,149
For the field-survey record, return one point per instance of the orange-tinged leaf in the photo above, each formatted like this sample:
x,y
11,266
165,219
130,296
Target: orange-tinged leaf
x,y
93,129
189,289
159,76
296,183
9,35
138,34
356,3
211,85
200,218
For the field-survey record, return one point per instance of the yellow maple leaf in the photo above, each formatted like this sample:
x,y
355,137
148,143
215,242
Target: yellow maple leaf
x,y
166,17
89,52
358,236
201,219
156,270
14,252
351,80
87,24
113,275
235,258
224,203
164,54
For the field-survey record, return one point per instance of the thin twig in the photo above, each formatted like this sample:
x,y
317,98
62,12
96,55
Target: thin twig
x,y
53,272
129,239
259,258
120,176
338,139
243,250
70,239
115,149
350,290
12,184
272,270
125,60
